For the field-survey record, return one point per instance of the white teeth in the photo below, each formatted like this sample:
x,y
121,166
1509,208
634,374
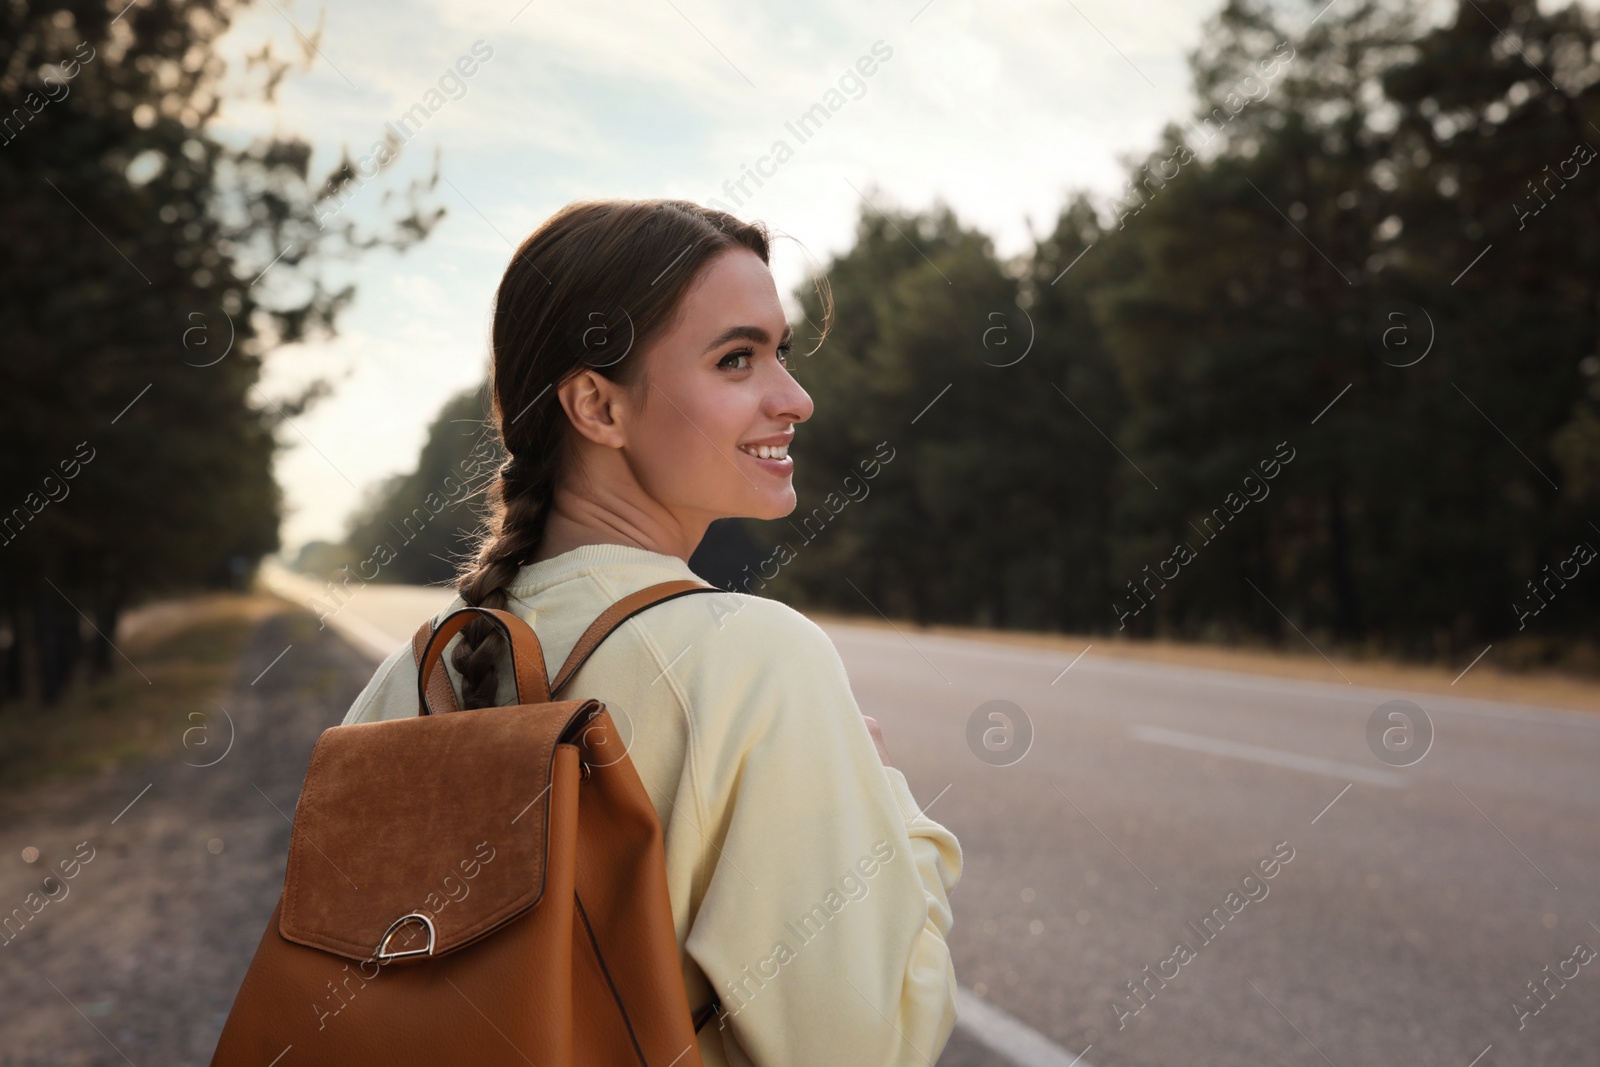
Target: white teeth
x,y
767,451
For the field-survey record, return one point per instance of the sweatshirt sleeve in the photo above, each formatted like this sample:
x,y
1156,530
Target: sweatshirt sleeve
x,y
390,693
822,926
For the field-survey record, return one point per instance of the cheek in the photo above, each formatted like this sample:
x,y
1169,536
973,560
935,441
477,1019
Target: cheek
x,y
687,456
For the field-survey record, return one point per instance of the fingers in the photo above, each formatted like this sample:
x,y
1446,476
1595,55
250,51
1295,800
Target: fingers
x,y
876,732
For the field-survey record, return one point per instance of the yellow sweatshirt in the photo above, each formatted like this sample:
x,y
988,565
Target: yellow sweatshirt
x,y
807,887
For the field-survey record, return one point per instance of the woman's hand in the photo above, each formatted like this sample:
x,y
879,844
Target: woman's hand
x,y
877,738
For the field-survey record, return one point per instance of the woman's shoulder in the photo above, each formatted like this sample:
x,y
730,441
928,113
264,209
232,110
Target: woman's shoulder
x,y
735,646
742,619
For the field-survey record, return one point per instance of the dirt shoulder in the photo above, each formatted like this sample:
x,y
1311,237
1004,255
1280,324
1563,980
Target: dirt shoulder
x,y
174,829
1482,680
172,661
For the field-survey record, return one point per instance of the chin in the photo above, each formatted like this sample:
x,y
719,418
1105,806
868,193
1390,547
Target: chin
x,y
774,507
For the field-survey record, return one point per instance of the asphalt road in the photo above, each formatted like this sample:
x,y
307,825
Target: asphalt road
x,y
1403,930
1407,911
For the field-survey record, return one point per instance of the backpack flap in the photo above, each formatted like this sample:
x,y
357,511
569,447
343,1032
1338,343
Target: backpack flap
x,y
418,836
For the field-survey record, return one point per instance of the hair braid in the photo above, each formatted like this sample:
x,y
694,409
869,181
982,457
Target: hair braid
x,y
518,509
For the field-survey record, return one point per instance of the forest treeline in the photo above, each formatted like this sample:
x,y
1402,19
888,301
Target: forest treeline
x,y
1327,365
150,266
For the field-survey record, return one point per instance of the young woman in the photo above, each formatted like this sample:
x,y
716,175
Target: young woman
x,y
641,388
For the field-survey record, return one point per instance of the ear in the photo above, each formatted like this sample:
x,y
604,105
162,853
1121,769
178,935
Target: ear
x,y
595,406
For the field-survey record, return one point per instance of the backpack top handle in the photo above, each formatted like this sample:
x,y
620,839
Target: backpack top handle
x,y
533,684
434,692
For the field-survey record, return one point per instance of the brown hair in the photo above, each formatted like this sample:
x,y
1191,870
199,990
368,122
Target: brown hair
x,y
600,280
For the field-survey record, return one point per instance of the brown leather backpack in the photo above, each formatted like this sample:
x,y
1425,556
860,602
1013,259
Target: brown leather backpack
x,y
478,887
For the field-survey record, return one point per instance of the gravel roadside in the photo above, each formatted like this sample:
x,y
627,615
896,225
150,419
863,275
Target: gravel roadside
x,y
175,865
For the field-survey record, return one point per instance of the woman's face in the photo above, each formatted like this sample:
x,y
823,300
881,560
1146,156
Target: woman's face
x,y
717,394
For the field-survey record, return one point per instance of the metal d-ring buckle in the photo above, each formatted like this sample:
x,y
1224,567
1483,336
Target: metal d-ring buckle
x,y
383,946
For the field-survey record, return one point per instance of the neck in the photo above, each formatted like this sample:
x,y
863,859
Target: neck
x,y
576,520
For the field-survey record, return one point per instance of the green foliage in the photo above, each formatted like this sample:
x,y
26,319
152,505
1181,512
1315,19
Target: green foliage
x,y
427,518
1220,308
1061,424
150,269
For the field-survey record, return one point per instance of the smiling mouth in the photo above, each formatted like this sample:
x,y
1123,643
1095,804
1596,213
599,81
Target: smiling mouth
x,y
766,451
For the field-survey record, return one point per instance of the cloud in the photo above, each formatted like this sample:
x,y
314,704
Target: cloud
x,y
999,109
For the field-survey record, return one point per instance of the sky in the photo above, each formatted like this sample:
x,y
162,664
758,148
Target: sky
x,y
1000,110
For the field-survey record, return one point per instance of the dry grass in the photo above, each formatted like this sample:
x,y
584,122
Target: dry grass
x,y
182,652
1483,681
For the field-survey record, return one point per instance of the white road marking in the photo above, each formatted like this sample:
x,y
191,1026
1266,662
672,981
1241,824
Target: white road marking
x,y
369,637
1008,1036
1271,756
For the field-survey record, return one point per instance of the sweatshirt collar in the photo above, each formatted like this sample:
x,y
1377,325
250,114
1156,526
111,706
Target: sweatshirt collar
x,y
536,577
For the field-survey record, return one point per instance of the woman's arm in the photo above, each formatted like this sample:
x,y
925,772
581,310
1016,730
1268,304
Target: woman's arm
x,y
822,926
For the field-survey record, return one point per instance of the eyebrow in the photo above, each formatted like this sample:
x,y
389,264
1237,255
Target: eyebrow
x,y
747,333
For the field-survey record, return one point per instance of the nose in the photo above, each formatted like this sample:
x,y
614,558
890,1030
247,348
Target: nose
x,y
787,401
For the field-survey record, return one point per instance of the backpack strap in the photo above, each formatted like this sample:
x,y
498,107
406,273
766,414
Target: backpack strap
x,y
616,615
441,694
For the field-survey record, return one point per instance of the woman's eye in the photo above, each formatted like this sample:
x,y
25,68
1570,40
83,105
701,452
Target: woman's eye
x,y
743,354
783,353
